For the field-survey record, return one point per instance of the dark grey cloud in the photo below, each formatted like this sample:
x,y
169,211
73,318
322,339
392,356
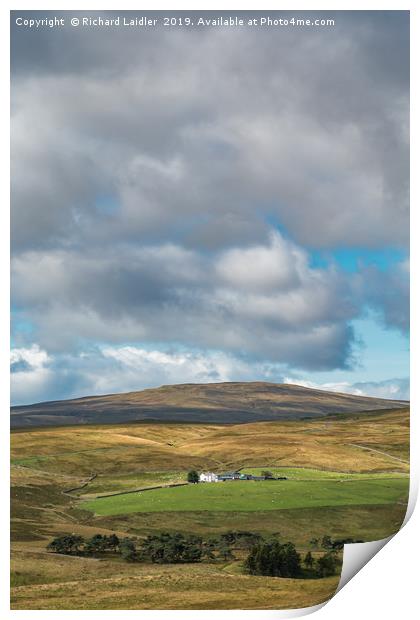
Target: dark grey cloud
x,y
222,128
388,293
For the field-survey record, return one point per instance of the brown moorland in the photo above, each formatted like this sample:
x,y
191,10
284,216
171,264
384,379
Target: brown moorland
x,y
46,462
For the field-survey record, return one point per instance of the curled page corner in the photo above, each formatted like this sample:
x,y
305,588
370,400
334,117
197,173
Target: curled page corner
x,y
303,611
296,613
412,499
357,555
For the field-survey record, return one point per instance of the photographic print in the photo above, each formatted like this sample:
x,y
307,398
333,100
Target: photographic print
x,y
210,304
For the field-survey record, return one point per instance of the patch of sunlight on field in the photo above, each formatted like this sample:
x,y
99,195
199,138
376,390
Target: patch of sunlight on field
x,y
254,496
305,473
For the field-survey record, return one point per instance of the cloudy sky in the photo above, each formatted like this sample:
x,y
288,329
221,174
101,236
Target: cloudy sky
x,y
210,204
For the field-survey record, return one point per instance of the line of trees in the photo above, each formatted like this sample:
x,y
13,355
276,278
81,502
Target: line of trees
x,y
163,548
326,542
73,544
167,548
268,557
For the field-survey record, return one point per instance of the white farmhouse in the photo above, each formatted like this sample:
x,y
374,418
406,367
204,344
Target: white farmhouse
x,y
208,476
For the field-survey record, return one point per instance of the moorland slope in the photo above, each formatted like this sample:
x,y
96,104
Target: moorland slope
x,y
214,403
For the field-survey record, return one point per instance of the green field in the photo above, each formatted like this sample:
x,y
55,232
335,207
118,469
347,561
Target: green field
x,y
130,482
306,473
139,480
253,496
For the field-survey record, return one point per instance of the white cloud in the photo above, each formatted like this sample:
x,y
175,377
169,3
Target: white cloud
x,y
154,367
265,300
38,375
124,368
31,374
262,267
33,357
395,389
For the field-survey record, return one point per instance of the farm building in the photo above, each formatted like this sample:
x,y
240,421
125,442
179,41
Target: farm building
x,y
230,475
251,477
208,476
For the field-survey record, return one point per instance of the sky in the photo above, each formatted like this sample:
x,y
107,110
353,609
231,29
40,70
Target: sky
x,y
210,204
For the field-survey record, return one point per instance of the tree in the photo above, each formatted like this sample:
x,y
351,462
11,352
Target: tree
x,y
168,548
193,477
326,565
225,552
96,544
209,548
309,560
314,542
274,559
113,542
240,539
292,560
267,474
340,542
246,540
128,550
69,544
101,544
326,542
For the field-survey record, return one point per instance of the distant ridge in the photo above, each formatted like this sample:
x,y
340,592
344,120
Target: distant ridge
x,y
216,403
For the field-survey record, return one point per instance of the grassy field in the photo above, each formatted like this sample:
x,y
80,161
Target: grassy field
x,y
306,473
127,482
347,477
140,480
251,496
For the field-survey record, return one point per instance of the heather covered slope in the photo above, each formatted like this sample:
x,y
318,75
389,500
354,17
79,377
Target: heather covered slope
x,y
216,403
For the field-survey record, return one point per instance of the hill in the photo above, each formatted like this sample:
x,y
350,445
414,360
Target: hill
x,y
215,403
